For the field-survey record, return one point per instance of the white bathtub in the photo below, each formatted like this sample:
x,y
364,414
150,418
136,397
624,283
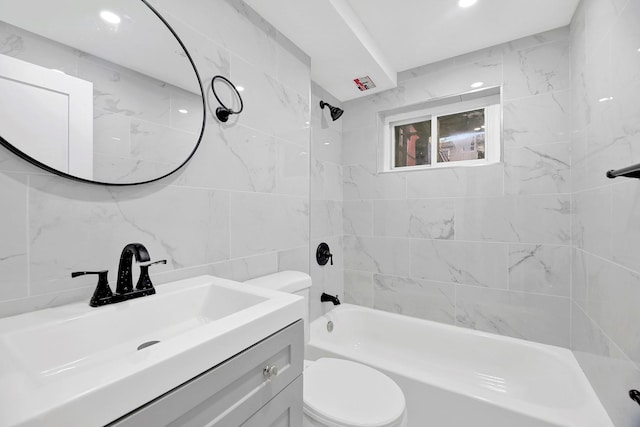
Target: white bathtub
x,y
458,377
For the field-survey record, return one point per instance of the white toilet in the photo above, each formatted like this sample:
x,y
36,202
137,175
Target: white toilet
x,y
337,392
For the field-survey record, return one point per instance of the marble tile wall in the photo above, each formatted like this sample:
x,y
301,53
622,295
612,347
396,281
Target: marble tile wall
x,y
488,247
325,199
605,60
133,113
239,209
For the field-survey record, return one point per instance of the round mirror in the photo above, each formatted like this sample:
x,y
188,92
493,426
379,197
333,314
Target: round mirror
x,y
95,90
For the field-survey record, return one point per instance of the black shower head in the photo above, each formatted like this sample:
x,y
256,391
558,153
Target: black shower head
x,y
335,111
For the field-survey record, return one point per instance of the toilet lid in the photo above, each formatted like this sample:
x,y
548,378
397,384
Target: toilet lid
x,y
348,394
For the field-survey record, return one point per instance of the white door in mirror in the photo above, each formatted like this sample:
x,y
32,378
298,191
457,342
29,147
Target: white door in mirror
x,y
36,107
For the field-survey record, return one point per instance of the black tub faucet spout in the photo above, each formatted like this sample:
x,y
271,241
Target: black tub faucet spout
x,y
329,298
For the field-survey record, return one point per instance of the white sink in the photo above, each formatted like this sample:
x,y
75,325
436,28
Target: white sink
x,y
77,365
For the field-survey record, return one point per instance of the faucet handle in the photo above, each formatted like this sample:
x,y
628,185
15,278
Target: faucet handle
x,y
144,281
103,290
149,264
102,274
323,254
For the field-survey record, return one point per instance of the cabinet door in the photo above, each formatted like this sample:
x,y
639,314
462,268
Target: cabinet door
x,y
228,394
284,410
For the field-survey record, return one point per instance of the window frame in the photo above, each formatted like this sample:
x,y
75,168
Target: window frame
x,y
491,103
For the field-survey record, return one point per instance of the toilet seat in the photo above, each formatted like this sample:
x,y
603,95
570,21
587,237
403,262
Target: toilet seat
x,y
340,393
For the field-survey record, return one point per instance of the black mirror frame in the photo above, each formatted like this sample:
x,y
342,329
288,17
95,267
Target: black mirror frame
x,y
41,165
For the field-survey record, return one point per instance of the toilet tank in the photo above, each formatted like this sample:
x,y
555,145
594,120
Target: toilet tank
x,y
293,282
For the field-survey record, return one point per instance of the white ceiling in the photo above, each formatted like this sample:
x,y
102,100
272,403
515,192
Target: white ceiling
x,y
347,39
77,24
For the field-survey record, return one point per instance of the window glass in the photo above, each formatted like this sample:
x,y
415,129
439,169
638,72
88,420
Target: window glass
x,y
412,144
461,136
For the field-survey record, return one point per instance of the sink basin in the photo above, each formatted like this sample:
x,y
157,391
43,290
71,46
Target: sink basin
x,y
70,363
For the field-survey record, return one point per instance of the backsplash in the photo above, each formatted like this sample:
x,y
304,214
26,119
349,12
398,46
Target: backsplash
x,y
487,247
239,209
606,266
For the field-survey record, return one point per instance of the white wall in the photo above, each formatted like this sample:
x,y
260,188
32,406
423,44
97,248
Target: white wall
x,y
239,209
605,60
489,247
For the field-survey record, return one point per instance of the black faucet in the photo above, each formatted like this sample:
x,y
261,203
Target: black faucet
x,y
329,298
124,288
125,278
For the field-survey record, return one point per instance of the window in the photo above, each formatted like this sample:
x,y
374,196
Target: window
x,y
459,131
412,143
461,136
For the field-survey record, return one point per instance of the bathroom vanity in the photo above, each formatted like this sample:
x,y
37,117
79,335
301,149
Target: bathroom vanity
x,y
245,390
201,351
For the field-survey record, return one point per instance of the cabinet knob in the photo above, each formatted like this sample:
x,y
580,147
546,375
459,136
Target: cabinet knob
x,y
270,371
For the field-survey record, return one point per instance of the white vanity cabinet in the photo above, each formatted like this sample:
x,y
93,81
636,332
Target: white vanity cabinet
x,y
238,391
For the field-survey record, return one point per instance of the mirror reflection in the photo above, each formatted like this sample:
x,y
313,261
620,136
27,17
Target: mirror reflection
x,y
98,90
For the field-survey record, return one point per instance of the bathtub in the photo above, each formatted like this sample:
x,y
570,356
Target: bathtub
x,y
459,377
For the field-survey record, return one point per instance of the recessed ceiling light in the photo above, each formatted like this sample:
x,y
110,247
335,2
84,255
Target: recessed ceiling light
x,y
327,143
608,98
477,85
466,3
240,88
183,111
110,17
